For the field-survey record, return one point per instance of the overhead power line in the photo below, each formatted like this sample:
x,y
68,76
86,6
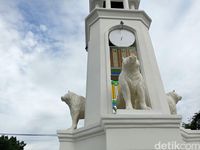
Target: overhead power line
x,y
27,134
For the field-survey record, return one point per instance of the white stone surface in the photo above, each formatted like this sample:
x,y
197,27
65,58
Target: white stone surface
x,y
76,105
132,86
91,137
134,4
98,93
173,98
190,136
135,111
123,132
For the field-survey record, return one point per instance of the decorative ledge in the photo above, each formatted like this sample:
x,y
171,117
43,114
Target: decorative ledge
x,y
80,134
192,136
120,121
141,121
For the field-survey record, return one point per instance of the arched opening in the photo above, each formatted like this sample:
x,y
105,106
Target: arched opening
x,y
122,43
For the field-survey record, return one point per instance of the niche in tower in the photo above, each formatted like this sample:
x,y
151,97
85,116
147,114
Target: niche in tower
x,y
114,4
118,5
120,48
122,44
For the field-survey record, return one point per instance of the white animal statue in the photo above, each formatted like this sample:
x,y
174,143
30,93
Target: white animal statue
x,y
132,93
173,98
76,105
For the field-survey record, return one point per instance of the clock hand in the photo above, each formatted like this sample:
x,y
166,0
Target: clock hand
x,y
121,37
121,34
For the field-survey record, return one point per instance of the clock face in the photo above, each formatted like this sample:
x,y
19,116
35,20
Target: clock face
x,y
122,38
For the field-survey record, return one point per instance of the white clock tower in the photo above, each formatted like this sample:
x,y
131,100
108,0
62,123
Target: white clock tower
x,y
116,29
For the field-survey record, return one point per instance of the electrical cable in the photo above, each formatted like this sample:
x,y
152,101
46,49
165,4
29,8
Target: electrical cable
x,y
27,134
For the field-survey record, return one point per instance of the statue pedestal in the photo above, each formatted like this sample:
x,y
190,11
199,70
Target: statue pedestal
x,y
124,132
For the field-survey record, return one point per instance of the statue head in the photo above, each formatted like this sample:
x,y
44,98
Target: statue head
x,y
67,97
130,62
176,97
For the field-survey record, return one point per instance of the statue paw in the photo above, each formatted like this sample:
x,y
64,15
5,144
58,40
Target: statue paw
x,y
146,108
70,129
129,108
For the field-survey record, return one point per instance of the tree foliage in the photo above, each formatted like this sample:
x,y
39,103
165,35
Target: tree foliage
x,y
195,123
11,143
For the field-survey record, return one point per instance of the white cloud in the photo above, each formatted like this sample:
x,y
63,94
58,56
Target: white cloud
x,y
174,35
29,42
41,60
43,28
34,76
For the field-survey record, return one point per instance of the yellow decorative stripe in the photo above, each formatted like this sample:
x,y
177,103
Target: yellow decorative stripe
x,y
115,89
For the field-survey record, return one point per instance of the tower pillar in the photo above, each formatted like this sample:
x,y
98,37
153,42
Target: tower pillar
x,y
126,4
108,4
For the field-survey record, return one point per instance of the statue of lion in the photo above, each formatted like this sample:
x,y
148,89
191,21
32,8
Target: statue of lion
x,y
173,98
76,105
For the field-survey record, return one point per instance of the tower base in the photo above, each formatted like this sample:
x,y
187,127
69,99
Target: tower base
x,y
124,132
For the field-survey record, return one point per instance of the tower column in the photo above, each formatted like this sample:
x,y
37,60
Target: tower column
x,y
108,5
132,5
126,5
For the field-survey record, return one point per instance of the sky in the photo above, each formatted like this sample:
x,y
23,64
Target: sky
x,y
42,49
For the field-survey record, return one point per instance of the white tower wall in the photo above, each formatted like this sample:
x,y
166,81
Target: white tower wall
x,y
134,130
98,25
